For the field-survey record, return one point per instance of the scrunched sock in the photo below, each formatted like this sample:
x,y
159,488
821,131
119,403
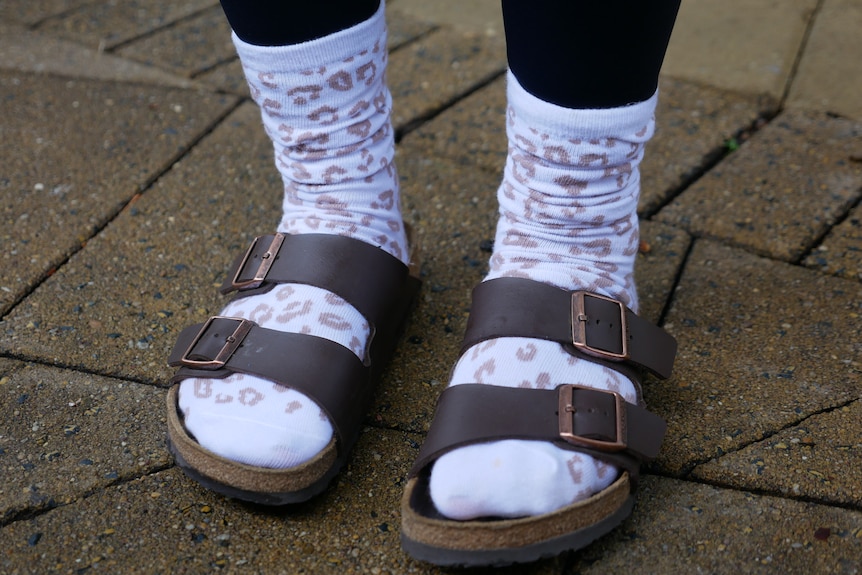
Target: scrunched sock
x,y
326,108
568,204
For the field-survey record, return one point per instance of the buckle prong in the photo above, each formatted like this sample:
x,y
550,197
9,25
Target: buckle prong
x,y
231,344
266,261
567,410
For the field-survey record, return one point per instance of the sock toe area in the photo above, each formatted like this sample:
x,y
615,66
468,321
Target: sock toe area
x,y
246,420
510,478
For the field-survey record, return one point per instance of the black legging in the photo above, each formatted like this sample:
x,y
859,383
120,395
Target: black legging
x,y
596,54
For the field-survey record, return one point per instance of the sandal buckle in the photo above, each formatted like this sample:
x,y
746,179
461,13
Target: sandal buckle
x,y
567,411
266,261
231,344
580,320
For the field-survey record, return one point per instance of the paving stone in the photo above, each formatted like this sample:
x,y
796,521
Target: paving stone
x,y
475,15
166,523
117,306
67,434
830,71
404,28
191,46
662,252
105,25
28,51
73,156
435,70
693,125
762,346
681,527
781,191
820,459
228,77
841,251
32,12
747,46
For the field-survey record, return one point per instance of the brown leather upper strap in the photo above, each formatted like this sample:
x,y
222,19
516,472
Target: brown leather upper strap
x,y
325,261
312,365
595,422
586,323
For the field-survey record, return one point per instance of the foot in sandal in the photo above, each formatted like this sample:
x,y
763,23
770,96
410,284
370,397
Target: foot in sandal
x,y
543,426
274,427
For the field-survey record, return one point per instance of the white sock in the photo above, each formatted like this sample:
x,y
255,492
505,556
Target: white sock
x,y
326,108
568,218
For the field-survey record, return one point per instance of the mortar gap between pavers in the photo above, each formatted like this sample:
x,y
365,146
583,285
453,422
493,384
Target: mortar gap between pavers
x,y
150,33
819,240
803,44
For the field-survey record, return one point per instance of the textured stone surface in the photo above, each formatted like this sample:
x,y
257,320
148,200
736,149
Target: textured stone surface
x,y
841,250
72,157
781,191
32,12
682,527
433,71
188,47
28,51
117,306
819,459
747,46
762,346
693,125
830,71
166,523
106,25
67,434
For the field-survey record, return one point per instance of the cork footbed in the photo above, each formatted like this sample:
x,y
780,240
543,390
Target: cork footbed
x,y
247,482
430,537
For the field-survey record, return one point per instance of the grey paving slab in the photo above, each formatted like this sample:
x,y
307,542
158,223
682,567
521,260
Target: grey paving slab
x,y
117,306
32,12
227,76
693,125
438,68
820,459
74,152
21,49
67,434
781,191
762,346
475,15
747,46
105,25
682,527
165,523
403,28
188,47
841,250
830,71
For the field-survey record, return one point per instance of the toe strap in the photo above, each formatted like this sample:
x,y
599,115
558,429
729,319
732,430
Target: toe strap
x,y
599,423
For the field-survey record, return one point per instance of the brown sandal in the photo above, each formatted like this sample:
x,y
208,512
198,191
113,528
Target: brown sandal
x,y
598,423
328,373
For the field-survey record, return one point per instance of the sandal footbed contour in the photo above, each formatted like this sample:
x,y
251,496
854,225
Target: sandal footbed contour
x,y
598,423
330,374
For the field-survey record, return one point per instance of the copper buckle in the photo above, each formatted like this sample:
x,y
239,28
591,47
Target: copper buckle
x,y
567,420
266,261
231,343
579,327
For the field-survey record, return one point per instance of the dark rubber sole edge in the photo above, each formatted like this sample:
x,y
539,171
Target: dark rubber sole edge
x,y
503,557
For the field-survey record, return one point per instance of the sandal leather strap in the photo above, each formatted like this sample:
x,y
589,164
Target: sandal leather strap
x,y
326,261
314,366
599,423
585,323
